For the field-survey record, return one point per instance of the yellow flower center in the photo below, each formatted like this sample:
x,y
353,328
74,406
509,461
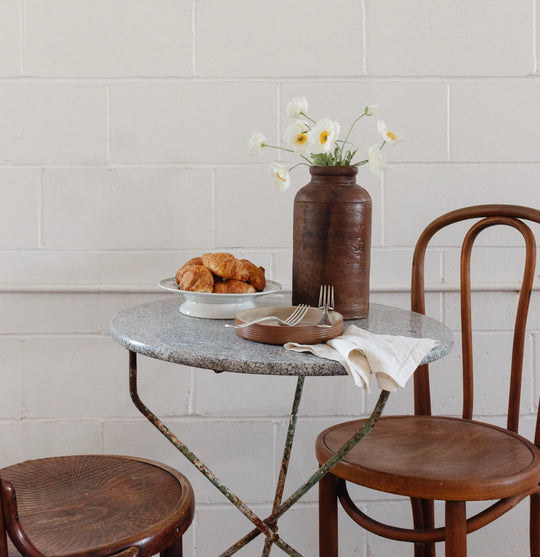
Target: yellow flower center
x,y
280,177
323,138
391,136
300,138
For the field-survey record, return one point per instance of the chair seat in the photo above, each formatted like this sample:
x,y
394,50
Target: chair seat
x,y
433,457
104,504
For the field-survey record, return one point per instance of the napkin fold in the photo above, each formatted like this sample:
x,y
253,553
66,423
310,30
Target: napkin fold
x,y
392,359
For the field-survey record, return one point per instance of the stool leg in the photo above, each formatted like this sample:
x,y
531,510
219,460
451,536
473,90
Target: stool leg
x,y
174,550
423,518
456,529
328,517
534,527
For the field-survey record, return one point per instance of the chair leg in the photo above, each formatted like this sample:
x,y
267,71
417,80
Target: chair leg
x,y
328,517
423,518
456,529
174,550
534,527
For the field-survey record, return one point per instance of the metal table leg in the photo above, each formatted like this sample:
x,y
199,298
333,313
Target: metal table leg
x,y
326,467
266,526
286,458
234,499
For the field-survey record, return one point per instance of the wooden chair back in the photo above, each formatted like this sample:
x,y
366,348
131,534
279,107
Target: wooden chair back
x,y
489,215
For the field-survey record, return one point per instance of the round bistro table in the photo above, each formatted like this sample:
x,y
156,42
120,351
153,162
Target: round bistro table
x,y
158,330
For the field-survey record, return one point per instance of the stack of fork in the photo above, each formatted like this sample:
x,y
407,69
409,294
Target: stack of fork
x,y
326,304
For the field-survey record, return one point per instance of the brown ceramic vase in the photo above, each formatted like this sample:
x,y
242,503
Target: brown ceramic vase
x,y
332,240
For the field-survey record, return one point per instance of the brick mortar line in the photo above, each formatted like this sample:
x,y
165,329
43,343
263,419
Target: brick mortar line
x,y
329,78
106,165
153,289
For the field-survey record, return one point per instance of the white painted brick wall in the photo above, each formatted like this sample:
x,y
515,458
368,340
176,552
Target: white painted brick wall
x,y
445,38
123,132
10,38
97,38
53,122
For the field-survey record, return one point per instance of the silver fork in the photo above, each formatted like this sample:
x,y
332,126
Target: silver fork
x,y
296,316
326,302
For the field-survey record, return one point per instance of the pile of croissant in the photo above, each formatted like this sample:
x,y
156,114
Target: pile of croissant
x,y
221,273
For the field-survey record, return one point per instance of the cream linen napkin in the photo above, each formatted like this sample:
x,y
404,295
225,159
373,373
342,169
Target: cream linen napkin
x,y
392,359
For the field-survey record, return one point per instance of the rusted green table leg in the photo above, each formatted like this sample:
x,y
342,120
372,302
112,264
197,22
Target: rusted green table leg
x,y
234,499
324,469
286,457
282,475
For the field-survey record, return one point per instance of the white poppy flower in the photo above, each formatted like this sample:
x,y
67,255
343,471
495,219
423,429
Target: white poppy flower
x,y
376,160
323,136
297,106
256,143
371,109
281,176
387,135
296,136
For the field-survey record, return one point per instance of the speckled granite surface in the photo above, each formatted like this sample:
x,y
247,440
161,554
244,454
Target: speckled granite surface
x,y
157,329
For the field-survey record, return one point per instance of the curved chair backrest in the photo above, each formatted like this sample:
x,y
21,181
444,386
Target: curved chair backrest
x,y
490,215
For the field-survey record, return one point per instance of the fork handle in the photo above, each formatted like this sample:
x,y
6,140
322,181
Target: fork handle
x,y
242,325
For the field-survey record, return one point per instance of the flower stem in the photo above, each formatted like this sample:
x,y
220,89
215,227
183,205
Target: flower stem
x,y
308,117
289,151
279,148
349,133
300,164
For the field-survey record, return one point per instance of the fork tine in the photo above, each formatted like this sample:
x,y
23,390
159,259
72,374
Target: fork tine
x,y
302,310
304,313
293,315
324,295
298,314
331,297
321,297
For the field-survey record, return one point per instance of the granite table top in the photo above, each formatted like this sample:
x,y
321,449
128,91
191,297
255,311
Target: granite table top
x,y
158,330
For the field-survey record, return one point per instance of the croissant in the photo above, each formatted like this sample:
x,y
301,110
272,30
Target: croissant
x,y
194,261
231,286
256,274
226,266
195,278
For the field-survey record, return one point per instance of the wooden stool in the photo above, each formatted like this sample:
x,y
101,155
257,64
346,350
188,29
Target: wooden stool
x,y
94,506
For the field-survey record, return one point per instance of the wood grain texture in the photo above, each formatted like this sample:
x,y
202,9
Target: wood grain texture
x,y
100,505
456,460
416,456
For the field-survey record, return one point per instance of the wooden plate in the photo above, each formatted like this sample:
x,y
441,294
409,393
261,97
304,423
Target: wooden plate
x,y
271,332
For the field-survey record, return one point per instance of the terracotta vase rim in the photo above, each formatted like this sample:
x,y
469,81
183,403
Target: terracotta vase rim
x,y
334,170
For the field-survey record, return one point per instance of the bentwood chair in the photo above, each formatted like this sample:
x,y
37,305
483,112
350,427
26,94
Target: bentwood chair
x,y
451,459
93,506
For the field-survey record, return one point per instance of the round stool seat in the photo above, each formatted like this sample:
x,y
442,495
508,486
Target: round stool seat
x,y
73,505
416,456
